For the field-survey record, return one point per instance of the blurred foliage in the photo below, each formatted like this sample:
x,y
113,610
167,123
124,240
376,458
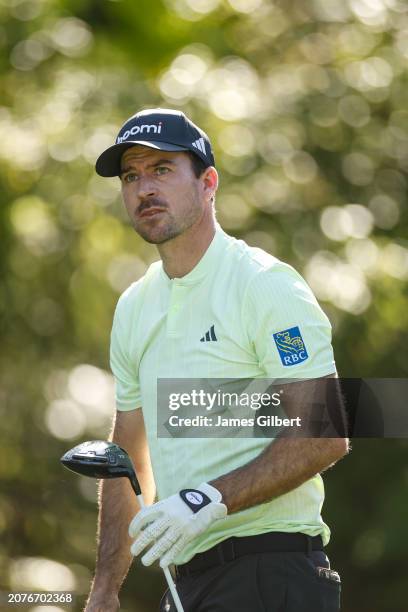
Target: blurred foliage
x,y
306,104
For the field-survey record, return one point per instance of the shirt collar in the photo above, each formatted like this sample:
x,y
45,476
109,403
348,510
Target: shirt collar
x,y
208,262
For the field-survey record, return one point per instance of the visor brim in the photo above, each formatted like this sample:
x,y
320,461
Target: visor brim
x,y
108,163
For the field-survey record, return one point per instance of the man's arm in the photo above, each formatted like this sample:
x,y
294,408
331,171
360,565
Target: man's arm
x,y
117,506
289,461
285,464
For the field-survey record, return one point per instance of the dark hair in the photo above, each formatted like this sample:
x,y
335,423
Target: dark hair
x,y
197,163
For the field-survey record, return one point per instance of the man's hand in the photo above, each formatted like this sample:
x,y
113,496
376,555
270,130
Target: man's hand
x,y
173,522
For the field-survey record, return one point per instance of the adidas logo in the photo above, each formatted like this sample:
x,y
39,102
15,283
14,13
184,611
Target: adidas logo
x,y
200,144
209,336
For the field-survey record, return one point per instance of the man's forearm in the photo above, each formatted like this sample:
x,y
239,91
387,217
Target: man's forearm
x,y
282,466
118,505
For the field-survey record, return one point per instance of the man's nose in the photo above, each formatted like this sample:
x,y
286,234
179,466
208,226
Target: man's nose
x,y
145,187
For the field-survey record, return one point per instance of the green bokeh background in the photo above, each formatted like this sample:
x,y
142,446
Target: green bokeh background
x,y
306,105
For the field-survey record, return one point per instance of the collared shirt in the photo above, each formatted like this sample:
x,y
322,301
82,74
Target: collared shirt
x,y
238,314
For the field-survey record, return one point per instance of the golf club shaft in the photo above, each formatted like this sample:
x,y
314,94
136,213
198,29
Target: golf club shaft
x,y
169,578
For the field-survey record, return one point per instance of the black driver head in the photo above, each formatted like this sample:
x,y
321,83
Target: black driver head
x,y
101,459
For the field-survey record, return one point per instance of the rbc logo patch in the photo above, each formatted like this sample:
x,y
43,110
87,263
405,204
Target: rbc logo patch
x,y
290,346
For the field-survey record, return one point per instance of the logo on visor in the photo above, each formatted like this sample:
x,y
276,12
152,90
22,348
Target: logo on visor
x,y
290,346
139,129
200,145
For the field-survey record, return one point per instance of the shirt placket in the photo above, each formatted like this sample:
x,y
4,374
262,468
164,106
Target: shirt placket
x,y
175,313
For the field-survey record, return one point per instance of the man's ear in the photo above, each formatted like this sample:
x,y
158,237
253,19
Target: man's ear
x,y
210,182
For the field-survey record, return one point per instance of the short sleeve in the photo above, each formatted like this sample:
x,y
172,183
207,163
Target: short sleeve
x,y
127,386
290,332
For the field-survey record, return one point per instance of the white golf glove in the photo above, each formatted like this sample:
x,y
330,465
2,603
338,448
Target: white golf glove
x,y
173,522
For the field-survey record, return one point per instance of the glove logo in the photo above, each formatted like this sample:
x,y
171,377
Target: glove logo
x,y
194,499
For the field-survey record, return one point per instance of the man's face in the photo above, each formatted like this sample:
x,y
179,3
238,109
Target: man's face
x,y
162,195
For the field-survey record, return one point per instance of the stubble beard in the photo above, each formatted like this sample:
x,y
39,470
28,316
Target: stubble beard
x,y
170,227
158,235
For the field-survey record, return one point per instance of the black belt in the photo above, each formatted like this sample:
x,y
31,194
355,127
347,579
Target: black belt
x,y
232,548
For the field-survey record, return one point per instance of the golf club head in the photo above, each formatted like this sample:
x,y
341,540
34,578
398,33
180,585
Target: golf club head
x,y
101,459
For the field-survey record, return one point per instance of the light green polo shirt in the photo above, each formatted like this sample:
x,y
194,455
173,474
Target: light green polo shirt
x,y
254,306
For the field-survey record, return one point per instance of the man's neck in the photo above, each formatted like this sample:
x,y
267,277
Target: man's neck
x,y
183,253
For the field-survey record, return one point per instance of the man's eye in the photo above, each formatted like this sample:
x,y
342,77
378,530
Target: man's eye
x,y
162,170
129,178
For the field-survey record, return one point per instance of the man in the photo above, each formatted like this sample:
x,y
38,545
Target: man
x,y
239,518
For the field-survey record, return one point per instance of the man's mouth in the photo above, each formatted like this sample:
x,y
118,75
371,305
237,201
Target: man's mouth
x,y
150,212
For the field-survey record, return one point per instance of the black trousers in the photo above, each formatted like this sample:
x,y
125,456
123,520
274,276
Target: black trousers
x,y
264,582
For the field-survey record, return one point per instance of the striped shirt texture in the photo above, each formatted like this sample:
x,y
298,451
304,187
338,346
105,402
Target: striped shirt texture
x,y
224,319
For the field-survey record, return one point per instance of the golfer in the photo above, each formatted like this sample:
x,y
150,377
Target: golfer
x,y
240,519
